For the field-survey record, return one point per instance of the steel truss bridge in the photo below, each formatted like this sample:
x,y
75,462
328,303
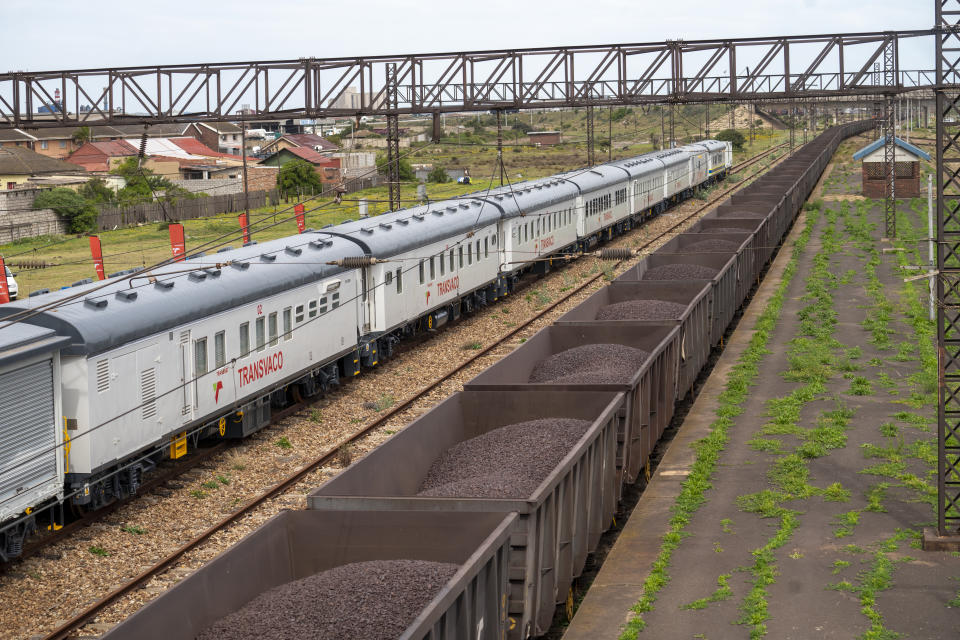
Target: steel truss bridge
x,y
741,70
836,67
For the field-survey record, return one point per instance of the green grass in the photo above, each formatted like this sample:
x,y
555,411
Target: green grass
x,y
98,551
283,442
736,390
721,593
134,529
384,402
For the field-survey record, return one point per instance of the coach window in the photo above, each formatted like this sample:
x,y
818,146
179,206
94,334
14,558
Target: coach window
x,y
323,304
313,308
199,357
299,313
526,235
421,272
470,254
288,324
335,300
451,261
486,247
399,280
389,279
461,256
433,269
272,328
244,339
261,339
478,251
220,349
443,265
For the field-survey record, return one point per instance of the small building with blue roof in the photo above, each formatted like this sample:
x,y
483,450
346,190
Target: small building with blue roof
x,y
906,168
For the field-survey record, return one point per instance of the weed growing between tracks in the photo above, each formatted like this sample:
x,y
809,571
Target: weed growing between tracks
x,y
736,391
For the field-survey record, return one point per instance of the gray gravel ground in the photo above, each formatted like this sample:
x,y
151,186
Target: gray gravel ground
x,y
509,462
680,271
642,310
370,600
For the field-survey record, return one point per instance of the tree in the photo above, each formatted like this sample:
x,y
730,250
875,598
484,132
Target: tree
x,y
407,174
521,126
80,214
438,175
733,136
141,184
82,136
298,176
97,192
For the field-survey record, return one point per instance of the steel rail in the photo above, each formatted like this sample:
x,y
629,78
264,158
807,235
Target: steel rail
x,y
63,631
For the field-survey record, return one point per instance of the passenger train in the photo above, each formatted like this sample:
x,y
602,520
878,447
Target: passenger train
x,y
99,389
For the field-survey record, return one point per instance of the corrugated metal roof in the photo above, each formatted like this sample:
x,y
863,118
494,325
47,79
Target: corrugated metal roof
x,y
23,161
906,146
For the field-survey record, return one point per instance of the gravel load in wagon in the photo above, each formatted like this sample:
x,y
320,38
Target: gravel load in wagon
x,y
375,600
590,364
680,271
509,462
642,310
714,244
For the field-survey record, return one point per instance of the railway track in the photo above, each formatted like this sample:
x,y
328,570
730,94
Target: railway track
x,y
65,629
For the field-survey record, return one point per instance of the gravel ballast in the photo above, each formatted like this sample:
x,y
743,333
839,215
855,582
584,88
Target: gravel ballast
x,y
680,271
713,245
590,364
642,310
372,600
509,462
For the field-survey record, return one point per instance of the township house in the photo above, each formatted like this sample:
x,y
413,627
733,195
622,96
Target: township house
x,y
327,168
58,142
19,167
174,158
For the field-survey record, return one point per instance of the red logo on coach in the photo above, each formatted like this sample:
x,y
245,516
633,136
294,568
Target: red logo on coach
x,y
260,368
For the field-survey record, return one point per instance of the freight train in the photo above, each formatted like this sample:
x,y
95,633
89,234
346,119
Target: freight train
x,y
102,381
518,542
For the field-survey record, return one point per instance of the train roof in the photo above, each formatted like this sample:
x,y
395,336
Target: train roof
x,y
398,232
705,145
19,341
126,310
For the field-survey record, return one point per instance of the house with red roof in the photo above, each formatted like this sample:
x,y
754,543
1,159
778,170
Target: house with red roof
x,y
102,156
327,167
299,141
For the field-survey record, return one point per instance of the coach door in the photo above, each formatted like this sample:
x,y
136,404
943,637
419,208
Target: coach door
x,y
186,377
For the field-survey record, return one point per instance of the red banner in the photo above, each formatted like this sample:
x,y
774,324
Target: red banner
x,y
97,257
177,242
301,220
4,290
244,228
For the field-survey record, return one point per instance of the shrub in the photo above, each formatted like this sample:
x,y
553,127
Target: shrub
x,y
732,136
438,175
80,214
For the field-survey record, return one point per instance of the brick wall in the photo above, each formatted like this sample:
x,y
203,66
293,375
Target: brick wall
x,y
907,184
19,220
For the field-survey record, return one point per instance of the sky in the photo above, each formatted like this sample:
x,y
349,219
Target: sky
x,y
74,34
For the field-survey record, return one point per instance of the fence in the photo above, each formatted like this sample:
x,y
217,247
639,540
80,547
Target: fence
x,y
183,209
